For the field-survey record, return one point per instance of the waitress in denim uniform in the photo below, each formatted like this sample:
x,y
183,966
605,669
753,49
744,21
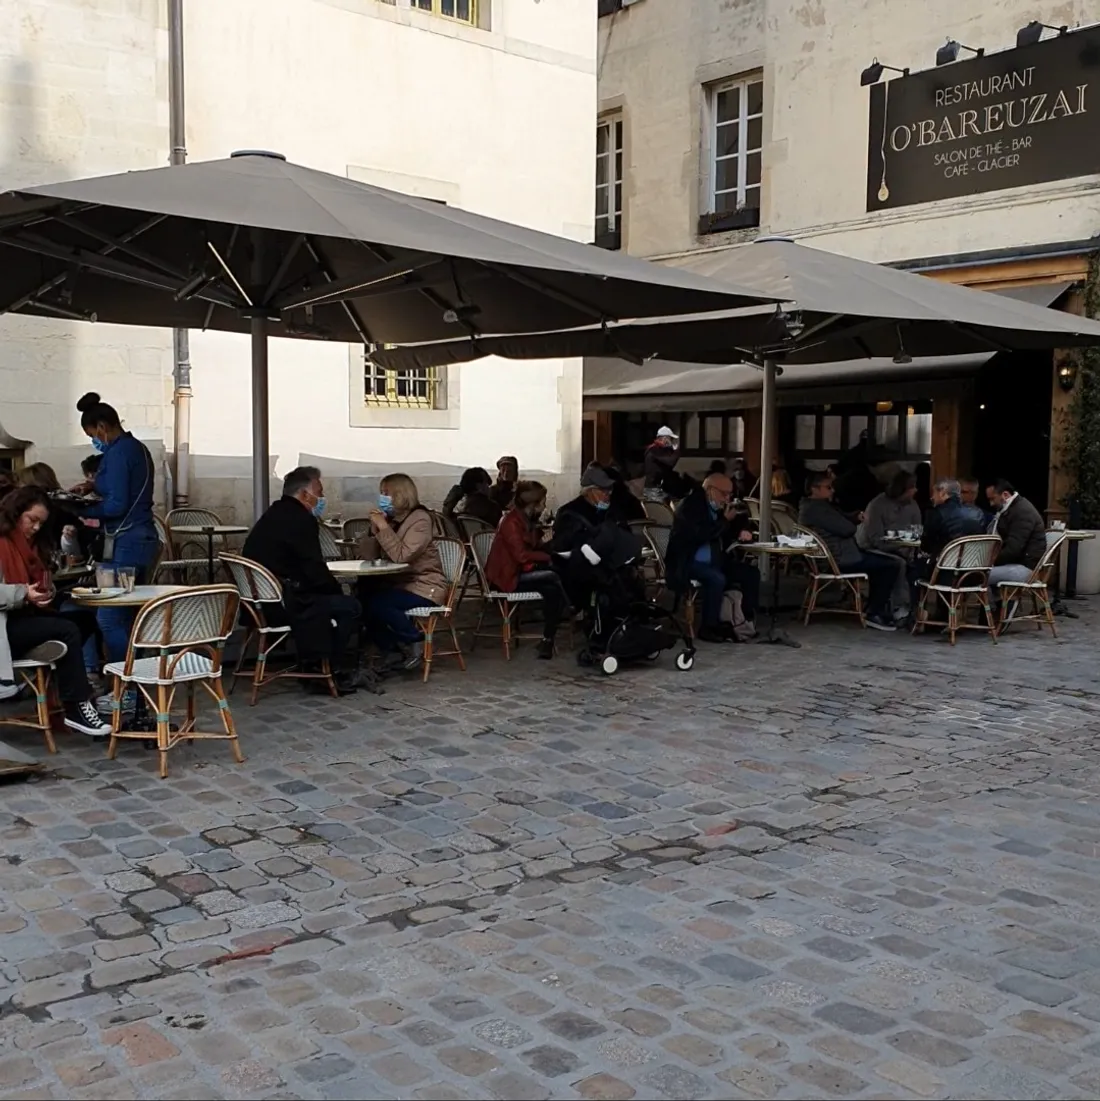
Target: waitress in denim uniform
x,y
124,481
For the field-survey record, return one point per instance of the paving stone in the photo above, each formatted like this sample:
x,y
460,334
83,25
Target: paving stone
x,y
854,1018
929,1049
673,1082
1036,990
551,1061
604,1087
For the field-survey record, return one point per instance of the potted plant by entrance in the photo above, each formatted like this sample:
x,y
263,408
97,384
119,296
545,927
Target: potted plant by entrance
x,y
1081,445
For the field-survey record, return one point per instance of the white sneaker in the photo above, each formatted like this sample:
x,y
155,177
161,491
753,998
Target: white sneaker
x,y
84,718
9,691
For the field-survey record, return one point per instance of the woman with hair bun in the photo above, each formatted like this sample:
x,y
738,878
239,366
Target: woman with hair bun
x,y
124,481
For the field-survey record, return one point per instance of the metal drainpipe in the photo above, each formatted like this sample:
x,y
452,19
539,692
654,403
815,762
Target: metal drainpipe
x,y
181,343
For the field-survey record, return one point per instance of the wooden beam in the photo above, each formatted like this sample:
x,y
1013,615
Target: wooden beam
x,y
1017,273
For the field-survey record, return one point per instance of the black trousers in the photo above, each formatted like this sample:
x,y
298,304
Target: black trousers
x,y
27,629
548,585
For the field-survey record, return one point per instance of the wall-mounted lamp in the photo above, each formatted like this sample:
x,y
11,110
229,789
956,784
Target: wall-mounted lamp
x,y
883,406
1029,35
873,72
1067,374
949,52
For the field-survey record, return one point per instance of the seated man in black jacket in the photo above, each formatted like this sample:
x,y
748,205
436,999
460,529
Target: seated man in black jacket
x,y
706,523
286,540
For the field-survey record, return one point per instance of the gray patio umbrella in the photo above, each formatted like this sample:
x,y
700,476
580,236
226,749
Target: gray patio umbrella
x,y
255,244
835,308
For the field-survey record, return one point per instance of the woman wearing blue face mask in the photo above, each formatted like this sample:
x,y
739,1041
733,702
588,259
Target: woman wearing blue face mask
x,y
402,531
124,481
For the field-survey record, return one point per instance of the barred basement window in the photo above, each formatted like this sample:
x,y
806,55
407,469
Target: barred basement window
x,y
411,388
465,11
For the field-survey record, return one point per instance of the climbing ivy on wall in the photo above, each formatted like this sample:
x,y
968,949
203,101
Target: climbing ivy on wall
x,y
1081,441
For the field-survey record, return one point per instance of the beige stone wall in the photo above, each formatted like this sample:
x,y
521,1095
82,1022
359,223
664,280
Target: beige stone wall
x,y
495,119
655,58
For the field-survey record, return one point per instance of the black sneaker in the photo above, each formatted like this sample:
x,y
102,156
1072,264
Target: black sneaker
x,y
85,719
711,634
880,623
545,649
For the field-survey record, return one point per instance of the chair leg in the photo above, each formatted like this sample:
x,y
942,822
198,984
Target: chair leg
x,y
330,680
858,592
477,627
429,632
990,620
249,632
458,648
1048,613
164,728
42,704
506,629
116,718
259,672
218,691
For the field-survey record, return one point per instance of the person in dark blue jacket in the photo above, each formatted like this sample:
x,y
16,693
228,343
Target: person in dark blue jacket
x,y
124,481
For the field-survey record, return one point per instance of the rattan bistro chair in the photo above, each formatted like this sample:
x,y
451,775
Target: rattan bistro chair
x,y
658,535
171,566
507,604
184,635
37,676
959,578
824,575
259,589
1036,587
452,555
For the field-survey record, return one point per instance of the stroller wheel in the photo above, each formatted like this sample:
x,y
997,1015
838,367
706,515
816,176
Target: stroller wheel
x,y
610,664
585,659
685,659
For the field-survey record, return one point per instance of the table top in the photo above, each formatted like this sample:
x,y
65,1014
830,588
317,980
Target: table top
x,y
1073,535
774,548
209,529
136,598
915,543
361,567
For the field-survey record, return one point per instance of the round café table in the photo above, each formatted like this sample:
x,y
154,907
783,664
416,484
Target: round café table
x,y
776,550
137,597
209,530
365,567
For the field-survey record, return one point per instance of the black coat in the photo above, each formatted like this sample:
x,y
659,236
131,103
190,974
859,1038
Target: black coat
x,y
287,541
1023,534
695,526
949,521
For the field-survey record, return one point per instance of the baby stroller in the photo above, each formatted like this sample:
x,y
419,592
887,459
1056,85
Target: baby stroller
x,y
622,626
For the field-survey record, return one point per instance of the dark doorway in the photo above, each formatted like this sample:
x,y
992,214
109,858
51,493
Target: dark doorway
x,y
1012,423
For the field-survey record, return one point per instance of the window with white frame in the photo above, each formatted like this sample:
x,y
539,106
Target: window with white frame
x,y
465,11
609,181
735,111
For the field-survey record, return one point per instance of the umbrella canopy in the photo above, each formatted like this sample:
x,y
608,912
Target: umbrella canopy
x,y
256,244
337,259
836,308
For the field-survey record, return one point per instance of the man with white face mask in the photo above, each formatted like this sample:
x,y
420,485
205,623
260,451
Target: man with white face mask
x,y
286,540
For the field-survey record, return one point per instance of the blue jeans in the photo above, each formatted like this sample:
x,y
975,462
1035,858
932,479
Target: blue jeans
x,y
138,549
713,586
386,615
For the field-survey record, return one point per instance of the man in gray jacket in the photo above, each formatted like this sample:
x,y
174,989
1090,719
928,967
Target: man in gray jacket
x,y
894,510
818,513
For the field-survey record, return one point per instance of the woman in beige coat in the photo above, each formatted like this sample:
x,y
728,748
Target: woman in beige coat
x,y
402,531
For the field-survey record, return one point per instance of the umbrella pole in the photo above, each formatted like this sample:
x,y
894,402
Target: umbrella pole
x,y
767,450
261,484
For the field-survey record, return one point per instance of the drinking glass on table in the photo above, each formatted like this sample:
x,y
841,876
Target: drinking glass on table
x,y
105,577
127,575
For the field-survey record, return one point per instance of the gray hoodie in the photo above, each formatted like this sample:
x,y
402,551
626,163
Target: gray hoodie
x,y
885,514
834,527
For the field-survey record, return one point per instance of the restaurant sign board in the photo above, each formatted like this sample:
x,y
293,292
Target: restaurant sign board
x,y
1022,116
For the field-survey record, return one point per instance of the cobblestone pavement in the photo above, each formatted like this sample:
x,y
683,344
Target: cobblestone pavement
x,y
866,868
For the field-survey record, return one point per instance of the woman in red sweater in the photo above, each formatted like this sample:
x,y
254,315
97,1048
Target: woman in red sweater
x,y
517,562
